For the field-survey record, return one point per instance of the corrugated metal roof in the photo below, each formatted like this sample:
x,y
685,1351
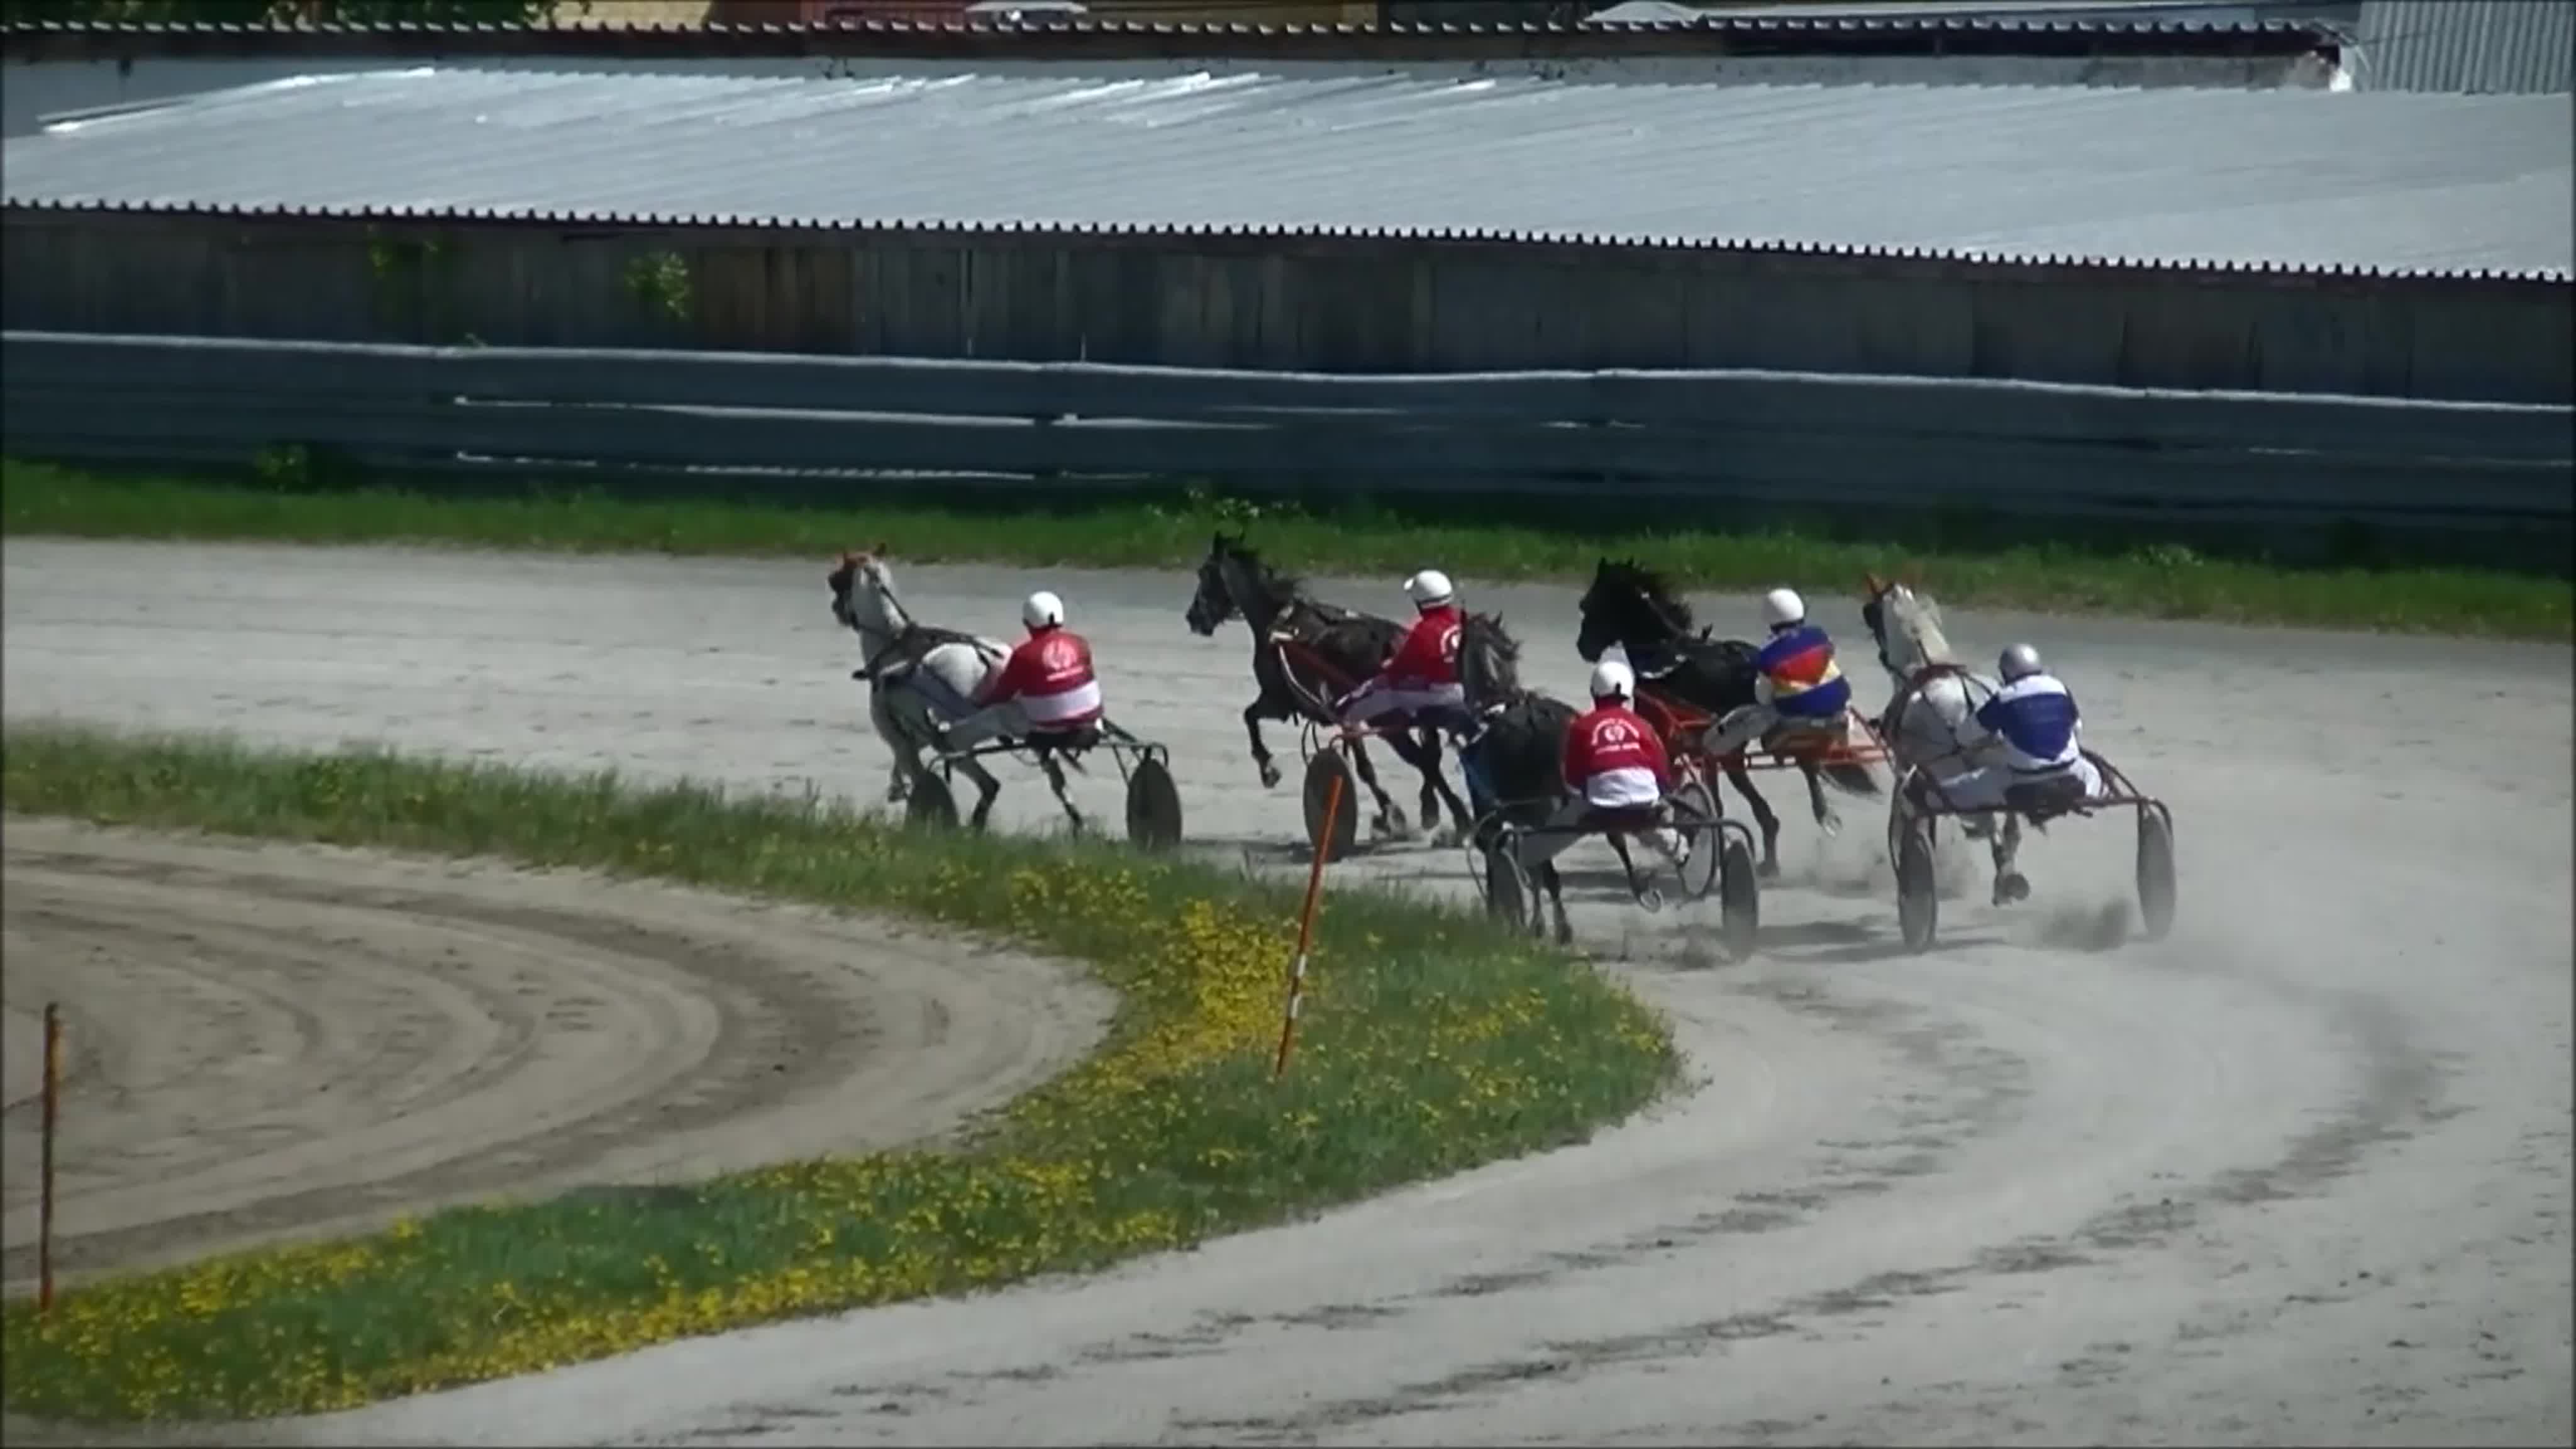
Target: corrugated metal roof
x,y
2466,46
2393,181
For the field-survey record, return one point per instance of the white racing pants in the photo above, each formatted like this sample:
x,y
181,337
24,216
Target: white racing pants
x,y
1746,723
1379,696
1534,851
1984,788
1009,717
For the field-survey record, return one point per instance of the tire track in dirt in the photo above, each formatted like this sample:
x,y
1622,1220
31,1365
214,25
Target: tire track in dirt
x,y
271,1041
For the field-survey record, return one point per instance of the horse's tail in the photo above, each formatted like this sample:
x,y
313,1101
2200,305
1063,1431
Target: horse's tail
x,y
1855,778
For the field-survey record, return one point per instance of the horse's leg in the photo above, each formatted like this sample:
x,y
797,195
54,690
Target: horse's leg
x,y
1825,814
1055,779
906,758
986,787
1742,779
1253,714
1422,751
1555,884
2010,884
1390,819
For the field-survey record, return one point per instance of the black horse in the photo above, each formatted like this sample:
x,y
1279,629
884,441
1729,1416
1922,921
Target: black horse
x,y
1518,751
1352,646
1628,605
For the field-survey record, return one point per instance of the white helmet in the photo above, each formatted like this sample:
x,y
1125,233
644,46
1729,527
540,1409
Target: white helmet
x,y
1783,606
1043,610
1612,680
1429,588
2019,661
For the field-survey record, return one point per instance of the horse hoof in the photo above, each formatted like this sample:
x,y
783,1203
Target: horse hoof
x,y
1830,823
1770,870
1564,934
2011,887
1270,776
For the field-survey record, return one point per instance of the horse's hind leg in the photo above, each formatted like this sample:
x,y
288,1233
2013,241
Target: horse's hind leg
x,y
1826,816
2010,884
1422,751
1556,900
1742,779
1055,780
986,788
1390,817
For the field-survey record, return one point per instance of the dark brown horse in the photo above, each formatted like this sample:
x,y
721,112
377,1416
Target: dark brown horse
x,y
1305,654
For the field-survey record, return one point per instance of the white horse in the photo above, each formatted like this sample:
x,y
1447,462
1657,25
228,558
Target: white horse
x,y
1931,719
917,674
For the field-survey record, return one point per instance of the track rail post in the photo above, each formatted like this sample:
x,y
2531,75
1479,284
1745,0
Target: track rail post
x,y
1306,927
45,1189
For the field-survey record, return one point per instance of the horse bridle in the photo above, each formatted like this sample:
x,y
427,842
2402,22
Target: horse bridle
x,y
901,641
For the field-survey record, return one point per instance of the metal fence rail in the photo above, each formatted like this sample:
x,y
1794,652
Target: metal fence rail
x,y
1704,438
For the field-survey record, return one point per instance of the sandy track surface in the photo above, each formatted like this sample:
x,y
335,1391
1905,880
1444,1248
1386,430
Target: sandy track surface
x,y
2297,1174
273,1041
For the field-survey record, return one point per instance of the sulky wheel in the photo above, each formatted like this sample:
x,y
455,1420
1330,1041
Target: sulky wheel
x,y
1739,893
1695,815
1506,889
932,805
1328,764
1153,806
1918,895
2155,872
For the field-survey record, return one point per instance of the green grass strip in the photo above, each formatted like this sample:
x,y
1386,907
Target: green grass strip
x,y
1434,1042
2159,581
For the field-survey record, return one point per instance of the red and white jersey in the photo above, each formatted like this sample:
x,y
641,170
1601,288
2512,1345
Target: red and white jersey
x,y
1613,758
1428,657
1050,675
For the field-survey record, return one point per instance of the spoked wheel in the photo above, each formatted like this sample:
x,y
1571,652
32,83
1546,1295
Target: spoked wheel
x,y
1740,892
1506,888
931,804
1321,769
1695,813
1153,806
2155,873
1918,896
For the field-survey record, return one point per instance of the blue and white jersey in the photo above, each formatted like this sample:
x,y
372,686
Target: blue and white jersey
x,y
2036,720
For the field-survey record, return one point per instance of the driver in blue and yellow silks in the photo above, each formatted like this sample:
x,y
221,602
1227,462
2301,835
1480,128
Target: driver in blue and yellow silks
x,y
1796,680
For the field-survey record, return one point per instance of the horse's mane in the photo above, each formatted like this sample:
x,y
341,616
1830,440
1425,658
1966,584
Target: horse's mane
x,y
1651,584
1919,616
1289,585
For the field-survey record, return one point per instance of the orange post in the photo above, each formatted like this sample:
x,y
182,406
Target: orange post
x,y
45,1190
1306,925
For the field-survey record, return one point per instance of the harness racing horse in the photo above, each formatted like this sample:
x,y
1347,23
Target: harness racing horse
x,y
1519,751
1629,606
915,673
1338,648
1930,720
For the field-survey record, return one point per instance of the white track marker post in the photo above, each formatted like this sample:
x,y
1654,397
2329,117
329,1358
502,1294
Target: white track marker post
x,y
45,1202
1306,924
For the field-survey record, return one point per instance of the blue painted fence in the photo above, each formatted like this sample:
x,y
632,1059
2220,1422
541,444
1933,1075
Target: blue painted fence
x,y
1684,440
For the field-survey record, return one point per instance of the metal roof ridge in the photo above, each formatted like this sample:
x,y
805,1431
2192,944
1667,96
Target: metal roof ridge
x,y
2322,271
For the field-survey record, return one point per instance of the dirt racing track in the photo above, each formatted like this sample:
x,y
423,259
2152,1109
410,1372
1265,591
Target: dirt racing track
x,y
2296,1174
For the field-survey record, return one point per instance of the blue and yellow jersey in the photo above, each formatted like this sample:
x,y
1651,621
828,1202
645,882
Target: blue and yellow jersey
x,y
1806,683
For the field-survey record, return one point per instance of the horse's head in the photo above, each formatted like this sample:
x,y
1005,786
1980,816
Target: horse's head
x,y
1628,605
1235,583
1906,626
1488,661
1212,602
862,585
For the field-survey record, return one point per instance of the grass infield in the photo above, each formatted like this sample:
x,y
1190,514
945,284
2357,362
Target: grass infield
x,y
2156,581
1433,1041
